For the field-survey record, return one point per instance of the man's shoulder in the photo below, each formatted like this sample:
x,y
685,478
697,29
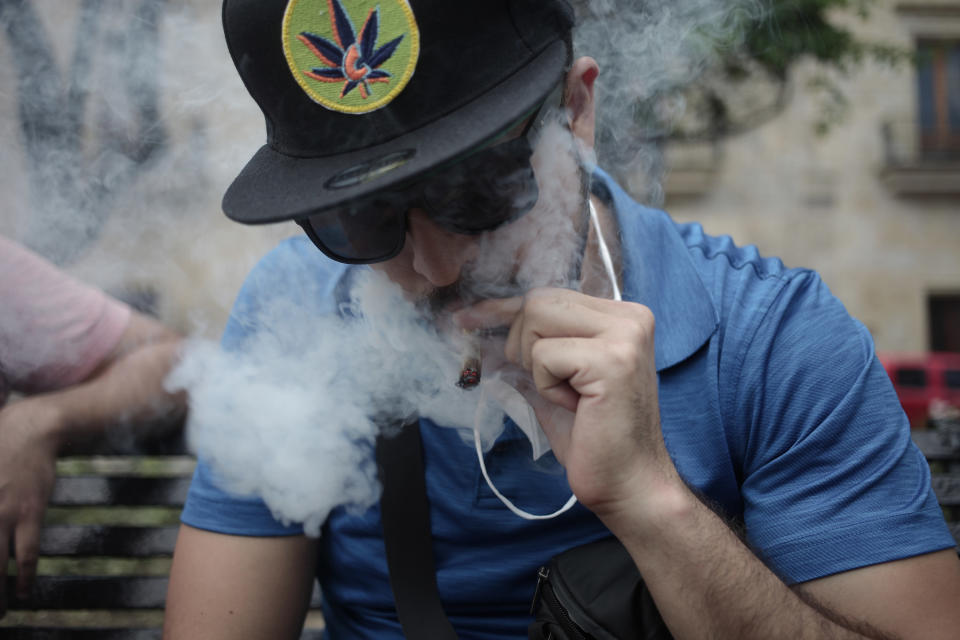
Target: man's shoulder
x,y
292,269
296,258
740,278
652,235
722,255
290,284
769,312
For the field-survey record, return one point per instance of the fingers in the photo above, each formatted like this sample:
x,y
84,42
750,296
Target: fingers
x,y
4,557
584,367
489,314
559,313
558,333
545,386
27,542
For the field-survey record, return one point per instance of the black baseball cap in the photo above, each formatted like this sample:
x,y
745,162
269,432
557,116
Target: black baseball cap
x,y
362,95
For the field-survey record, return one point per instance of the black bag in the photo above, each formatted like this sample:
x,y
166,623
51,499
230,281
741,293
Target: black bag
x,y
594,591
591,591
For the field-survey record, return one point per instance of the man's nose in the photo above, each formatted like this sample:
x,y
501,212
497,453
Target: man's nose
x,y
438,254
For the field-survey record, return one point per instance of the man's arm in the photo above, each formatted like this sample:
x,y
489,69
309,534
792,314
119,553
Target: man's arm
x,y
595,358
238,588
125,390
707,583
926,585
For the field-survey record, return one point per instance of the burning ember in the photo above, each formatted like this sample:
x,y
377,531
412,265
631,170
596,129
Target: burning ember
x,y
472,366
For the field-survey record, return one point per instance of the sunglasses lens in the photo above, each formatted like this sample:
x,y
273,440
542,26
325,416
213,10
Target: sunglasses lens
x,y
484,191
368,231
477,194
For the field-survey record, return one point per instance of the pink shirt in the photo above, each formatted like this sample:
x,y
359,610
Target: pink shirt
x,y
54,330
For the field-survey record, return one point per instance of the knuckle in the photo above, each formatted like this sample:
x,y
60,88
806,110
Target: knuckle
x,y
640,326
533,356
536,351
539,303
621,357
31,510
644,315
626,355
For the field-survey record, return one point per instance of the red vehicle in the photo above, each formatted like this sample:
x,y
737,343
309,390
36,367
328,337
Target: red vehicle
x,y
921,378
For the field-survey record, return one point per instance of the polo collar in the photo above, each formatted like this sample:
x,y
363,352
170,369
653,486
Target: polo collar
x,y
659,273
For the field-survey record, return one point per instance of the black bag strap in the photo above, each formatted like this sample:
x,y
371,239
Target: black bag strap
x,y
405,514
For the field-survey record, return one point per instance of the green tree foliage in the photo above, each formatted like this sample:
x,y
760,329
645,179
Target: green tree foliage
x,y
750,82
794,29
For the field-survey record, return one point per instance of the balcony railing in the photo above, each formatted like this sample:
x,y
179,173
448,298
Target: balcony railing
x,y
919,164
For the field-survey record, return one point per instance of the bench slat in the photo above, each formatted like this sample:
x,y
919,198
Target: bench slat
x,y
83,633
947,488
936,445
120,491
101,592
122,442
101,540
93,592
88,633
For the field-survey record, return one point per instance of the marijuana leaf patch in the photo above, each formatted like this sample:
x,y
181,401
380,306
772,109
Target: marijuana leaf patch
x,y
351,65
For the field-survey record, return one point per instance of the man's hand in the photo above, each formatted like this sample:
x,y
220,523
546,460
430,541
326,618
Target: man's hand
x,y
28,450
594,358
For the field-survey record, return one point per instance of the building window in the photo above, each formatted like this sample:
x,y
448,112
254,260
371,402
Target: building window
x,y
914,378
938,76
944,322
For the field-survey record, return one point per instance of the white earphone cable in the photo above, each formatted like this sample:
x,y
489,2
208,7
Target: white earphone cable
x,y
608,265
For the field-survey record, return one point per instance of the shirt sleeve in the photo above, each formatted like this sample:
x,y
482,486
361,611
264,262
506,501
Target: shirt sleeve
x,y
54,330
293,273
831,478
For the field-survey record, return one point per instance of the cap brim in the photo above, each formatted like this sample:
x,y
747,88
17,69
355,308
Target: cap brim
x,y
274,187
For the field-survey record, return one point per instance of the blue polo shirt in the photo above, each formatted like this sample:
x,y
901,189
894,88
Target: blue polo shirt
x,y
772,403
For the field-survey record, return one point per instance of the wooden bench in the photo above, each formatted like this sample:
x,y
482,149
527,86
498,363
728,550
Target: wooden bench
x,y
112,525
107,546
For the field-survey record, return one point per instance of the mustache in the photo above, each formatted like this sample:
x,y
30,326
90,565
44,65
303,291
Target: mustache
x,y
464,292
441,298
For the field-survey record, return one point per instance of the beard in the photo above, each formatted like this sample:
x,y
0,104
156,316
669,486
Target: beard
x,y
544,248
505,271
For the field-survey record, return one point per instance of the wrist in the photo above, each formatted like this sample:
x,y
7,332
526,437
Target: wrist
x,y
659,505
47,419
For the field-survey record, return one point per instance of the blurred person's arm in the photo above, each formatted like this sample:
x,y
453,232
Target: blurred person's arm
x,y
126,389
238,587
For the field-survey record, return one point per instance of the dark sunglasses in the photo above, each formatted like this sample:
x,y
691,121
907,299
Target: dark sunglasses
x,y
476,193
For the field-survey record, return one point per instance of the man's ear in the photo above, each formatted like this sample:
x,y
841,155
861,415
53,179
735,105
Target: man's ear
x,y
578,97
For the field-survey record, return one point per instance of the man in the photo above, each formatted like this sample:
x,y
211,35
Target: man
x,y
84,362
753,391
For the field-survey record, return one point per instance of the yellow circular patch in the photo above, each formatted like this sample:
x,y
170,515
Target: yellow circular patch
x,y
351,56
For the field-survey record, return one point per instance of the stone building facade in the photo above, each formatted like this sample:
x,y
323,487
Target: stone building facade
x,y
874,205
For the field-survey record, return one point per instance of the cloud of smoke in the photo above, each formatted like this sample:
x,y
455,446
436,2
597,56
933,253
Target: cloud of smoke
x,y
121,124
543,247
648,51
293,416
144,131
